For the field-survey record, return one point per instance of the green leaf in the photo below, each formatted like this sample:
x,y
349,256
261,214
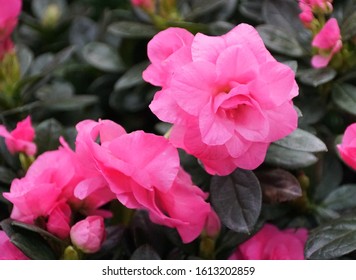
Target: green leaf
x,y
76,102
289,159
348,26
55,91
204,7
130,29
25,57
237,199
218,28
47,135
29,242
132,77
317,77
331,176
341,198
278,185
301,140
6,175
82,31
145,252
279,40
103,57
40,63
344,96
251,9
332,240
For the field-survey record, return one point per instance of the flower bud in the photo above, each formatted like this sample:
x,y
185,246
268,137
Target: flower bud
x,y
88,234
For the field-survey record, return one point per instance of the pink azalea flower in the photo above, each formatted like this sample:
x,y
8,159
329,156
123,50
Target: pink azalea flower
x,y
347,148
229,103
9,251
48,184
143,171
9,13
212,224
328,41
21,138
270,243
88,234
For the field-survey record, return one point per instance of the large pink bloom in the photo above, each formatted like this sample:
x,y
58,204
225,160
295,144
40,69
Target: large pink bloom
x,y
21,138
9,251
347,148
328,41
228,99
9,13
143,171
270,243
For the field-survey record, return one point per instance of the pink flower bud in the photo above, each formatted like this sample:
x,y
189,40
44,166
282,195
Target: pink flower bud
x,y
147,5
88,234
21,138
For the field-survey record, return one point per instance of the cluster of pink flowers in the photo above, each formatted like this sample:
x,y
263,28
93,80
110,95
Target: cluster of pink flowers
x,y
9,13
271,243
226,96
327,42
141,170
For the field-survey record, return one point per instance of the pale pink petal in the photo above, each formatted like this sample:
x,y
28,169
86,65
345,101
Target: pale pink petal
x,y
319,61
58,221
253,157
328,35
207,48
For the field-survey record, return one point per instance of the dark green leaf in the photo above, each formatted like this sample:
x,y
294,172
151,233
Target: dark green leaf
x,y
40,63
55,91
47,135
293,64
76,102
203,7
25,57
130,29
341,198
332,240
279,40
145,252
301,140
132,77
344,96
29,242
331,176
103,57
251,9
220,27
6,175
278,185
237,199
289,159
317,77
348,27
83,31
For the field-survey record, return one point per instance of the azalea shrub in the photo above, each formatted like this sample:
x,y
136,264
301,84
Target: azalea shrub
x,y
168,129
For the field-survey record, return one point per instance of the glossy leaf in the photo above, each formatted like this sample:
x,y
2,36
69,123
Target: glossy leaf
x,y
301,140
47,135
237,199
279,40
132,77
333,239
317,77
251,9
103,57
289,159
128,29
145,252
344,96
341,198
6,175
278,185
